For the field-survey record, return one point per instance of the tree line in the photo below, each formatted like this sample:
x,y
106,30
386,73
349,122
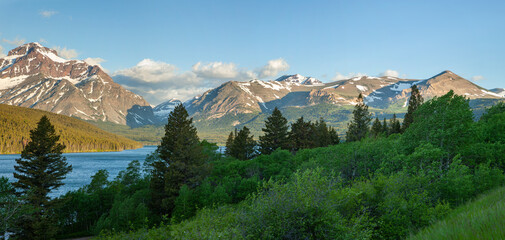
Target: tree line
x,y
406,173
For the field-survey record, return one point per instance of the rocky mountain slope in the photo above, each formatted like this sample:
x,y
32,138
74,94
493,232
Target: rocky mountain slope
x,y
297,91
36,77
499,91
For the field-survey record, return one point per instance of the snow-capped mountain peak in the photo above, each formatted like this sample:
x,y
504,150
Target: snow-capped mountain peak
x,y
299,79
35,76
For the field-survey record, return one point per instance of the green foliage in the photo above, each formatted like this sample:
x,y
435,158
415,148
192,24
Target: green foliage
x,y
302,135
181,161
275,133
40,169
415,100
359,126
377,128
76,135
241,145
445,122
480,219
394,125
10,206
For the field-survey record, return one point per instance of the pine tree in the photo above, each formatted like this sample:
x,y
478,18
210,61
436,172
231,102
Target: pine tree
x,y
385,128
302,135
414,102
275,133
40,170
229,143
334,139
359,126
377,128
395,126
244,146
322,134
181,161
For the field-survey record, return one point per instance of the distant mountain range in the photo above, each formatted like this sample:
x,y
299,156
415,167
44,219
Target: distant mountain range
x,y
35,76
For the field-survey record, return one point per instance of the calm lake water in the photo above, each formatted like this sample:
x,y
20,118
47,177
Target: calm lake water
x,y
84,166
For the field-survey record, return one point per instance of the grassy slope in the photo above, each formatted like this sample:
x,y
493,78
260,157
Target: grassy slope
x,y
483,218
77,135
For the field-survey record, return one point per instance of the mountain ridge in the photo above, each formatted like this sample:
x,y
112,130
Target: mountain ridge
x,y
35,76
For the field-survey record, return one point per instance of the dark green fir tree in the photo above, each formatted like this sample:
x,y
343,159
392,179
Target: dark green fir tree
x,y
302,135
229,143
360,124
244,146
377,128
40,170
385,128
414,102
275,133
395,126
181,161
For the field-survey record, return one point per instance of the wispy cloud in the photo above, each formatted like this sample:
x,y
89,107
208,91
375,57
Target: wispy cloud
x,y
15,42
215,70
478,78
64,52
273,67
96,62
47,13
390,73
339,76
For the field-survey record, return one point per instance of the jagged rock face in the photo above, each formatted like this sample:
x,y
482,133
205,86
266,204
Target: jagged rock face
x,y
36,77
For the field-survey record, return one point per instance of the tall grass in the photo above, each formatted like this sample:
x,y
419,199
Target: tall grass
x,y
483,218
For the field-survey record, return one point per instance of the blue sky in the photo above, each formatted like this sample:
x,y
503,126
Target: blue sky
x,y
180,48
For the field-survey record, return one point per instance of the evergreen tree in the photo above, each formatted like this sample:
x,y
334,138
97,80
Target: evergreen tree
x,y
40,170
395,126
275,133
302,135
414,102
229,143
181,161
334,139
359,126
377,128
322,134
244,146
385,128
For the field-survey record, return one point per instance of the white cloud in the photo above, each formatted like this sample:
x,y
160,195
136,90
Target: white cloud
x,y
15,42
478,78
339,76
390,73
273,67
215,70
47,13
97,62
42,41
66,53
159,81
94,61
2,54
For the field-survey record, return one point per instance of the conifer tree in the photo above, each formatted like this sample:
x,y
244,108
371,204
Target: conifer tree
x,y
181,161
385,128
229,143
244,146
334,139
377,128
395,126
40,170
359,126
302,135
322,134
275,133
414,102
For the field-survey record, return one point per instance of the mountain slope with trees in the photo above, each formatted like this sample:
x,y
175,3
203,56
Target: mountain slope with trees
x,y
76,135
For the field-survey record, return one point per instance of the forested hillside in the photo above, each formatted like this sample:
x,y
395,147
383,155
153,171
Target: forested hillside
x,y
77,135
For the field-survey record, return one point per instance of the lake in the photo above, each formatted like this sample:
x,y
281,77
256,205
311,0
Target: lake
x,y
84,166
